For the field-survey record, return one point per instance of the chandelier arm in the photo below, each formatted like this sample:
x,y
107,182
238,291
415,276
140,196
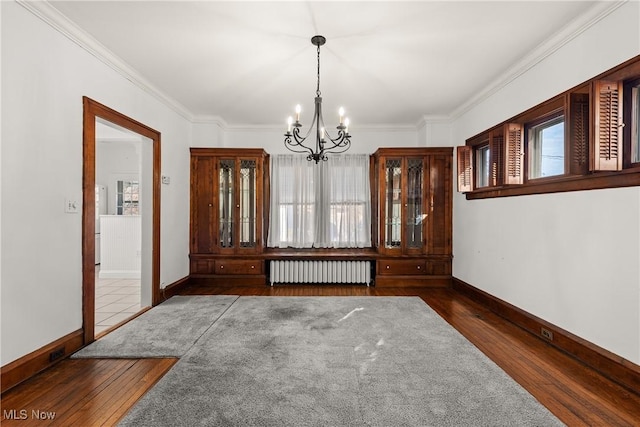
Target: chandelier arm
x,y
340,139
340,144
297,142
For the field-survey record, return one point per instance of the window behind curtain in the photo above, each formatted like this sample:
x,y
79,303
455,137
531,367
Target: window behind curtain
x,y
324,205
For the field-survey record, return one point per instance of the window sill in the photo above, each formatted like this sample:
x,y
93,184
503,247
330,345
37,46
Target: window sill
x,y
593,181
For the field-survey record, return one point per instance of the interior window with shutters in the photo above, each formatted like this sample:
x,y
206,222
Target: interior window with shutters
x,y
546,148
482,166
587,138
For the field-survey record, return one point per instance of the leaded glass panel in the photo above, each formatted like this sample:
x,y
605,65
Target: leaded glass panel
x,y
227,167
247,203
393,198
414,213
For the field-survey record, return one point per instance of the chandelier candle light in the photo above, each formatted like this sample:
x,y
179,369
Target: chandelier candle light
x,y
324,143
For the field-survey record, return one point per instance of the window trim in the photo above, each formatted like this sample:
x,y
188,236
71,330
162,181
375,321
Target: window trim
x,y
628,120
477,160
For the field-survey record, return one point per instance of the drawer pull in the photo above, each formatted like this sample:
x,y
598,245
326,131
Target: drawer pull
x,y
418,267
253,266
387,267
221,267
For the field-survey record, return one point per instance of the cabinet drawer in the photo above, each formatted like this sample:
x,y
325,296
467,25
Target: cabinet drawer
x,y
402,267
238,267
202,266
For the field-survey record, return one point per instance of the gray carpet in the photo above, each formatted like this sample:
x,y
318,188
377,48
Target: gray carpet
x,y
168,330
335,361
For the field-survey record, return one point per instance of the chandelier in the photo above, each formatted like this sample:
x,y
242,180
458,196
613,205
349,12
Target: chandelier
x,y
324,143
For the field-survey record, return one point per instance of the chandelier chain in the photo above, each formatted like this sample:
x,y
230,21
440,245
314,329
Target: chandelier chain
x,y
318,87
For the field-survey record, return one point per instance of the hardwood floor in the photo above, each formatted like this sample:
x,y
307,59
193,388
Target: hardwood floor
x,y
82,392
99,392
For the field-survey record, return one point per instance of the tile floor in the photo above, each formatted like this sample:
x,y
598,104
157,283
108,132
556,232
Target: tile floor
x,y
116,300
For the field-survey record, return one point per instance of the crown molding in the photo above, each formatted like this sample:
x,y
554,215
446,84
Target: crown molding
x,y
433,119
53,17
210,120
569,32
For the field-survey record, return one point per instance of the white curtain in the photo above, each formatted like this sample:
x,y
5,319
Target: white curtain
x,y
324,205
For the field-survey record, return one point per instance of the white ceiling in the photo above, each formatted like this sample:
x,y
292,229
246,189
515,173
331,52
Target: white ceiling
x,y
388,63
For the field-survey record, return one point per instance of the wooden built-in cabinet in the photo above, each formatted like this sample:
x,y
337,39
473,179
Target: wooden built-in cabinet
x,y
412,197
411,217
228,211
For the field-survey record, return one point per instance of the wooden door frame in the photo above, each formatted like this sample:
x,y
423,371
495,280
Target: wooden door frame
x,y
91,111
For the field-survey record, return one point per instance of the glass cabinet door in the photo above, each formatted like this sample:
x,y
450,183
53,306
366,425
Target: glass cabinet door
x,y
247,206
393,203
403,213
226,202
414,204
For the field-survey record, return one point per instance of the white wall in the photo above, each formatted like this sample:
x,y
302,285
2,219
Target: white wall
x,y
572,259
44,76
435,133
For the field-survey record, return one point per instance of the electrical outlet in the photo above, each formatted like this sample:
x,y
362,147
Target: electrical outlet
x,y
166,180
56,354
546,334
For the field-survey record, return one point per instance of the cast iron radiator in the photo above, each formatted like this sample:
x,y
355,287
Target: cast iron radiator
x,y
318,272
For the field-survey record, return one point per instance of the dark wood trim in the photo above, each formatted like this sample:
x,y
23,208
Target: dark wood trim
x,y
628,120
175,288
38,360
92,110
88,219
605,362
593,181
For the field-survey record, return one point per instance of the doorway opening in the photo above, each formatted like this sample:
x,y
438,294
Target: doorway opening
x,y
121,195
121,218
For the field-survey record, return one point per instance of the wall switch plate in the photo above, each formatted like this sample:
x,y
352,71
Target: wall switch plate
x,y
166,180
71,206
